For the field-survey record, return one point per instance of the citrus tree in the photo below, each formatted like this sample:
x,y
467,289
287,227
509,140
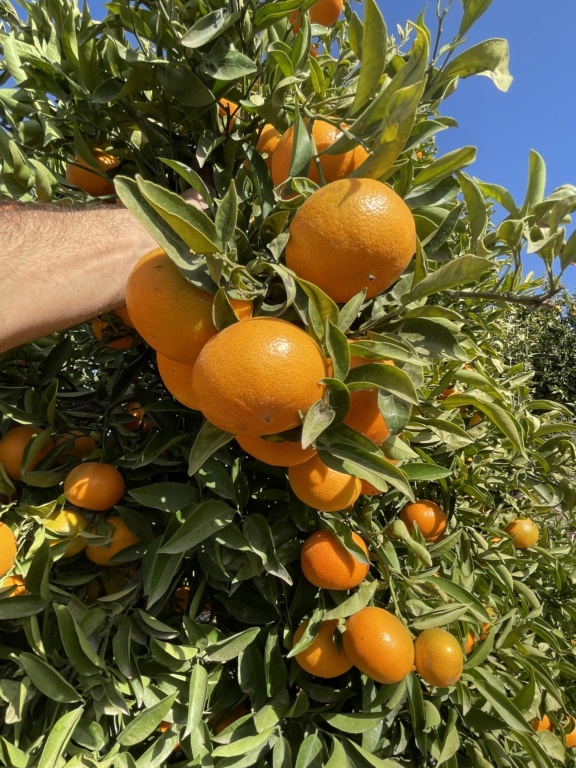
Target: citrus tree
x,y
293,506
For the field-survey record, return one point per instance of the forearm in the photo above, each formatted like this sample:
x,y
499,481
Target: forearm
x,y
61,266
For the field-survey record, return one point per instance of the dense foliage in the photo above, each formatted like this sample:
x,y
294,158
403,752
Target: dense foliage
x,y
193,626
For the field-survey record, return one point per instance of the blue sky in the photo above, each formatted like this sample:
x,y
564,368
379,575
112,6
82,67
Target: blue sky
x,y
539,110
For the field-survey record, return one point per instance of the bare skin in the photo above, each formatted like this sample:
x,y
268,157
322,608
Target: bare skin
x,y
60,267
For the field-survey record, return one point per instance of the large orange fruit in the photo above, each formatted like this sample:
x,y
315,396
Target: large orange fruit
x,y
14,581
379,645
122,537
94,485
87,178
258,376
525,532
13,445
281,454
365,416
171,314
267,143
430,518
7,549
327,564
322,658
323,488
350,235
324,12
68,524
177,378
438,657
122,313
333,166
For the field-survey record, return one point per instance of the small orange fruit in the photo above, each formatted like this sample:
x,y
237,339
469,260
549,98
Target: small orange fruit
x,y
544,724
430,518
256,377
138,413
438,657
7,549
327,564
475,419
280,454
571,734
228,111
446,393
99,329
379,644
181,599
13,445
525,532
14,581
323,488
68,523
365,416
267,143
322,658
177,378
314,50
78,444
324,12
87,177
169,312
94,485
350,235
333,166
470,641
122,537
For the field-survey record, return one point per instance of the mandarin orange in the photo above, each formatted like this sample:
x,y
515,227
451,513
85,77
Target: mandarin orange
x,y
525,532
438,657
7,549
94,485
327,564
429,517
177,378
351,235
87,177
277,454
13,446
321,487
122,537
322,658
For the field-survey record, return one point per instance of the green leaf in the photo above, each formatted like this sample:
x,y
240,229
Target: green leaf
x,y
243,745
477,213
338,758
310,753
231,647
76,645
146,722
503,706
167,497
473,10
398,530
197,693
204,521
208,440
445,166
417,712
353,723
373,56
209,27
225,63
386,377
431,338
338,349
360,599
227,215
505,421
47,680
440,617
489,59
424,472
58,737
19,606
451,740
360,757
459,271
536,183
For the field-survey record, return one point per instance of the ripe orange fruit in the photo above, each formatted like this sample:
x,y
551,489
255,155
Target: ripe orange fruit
x,y
78,444
544,724
324,12
350,235
365,417
94,485
68,523
571,734
438,657
181,598
430,518
322,658
333,166
281,454
525,532
7,549
122,537
13,445
446,393
177,378
170,313
99,328
379,644
138,413
256,377
14,581
228,111
475,419
122,313
470,641
267,143
87,177
327,564
323,488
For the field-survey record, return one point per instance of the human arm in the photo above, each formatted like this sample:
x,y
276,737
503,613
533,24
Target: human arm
x,y
62,266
